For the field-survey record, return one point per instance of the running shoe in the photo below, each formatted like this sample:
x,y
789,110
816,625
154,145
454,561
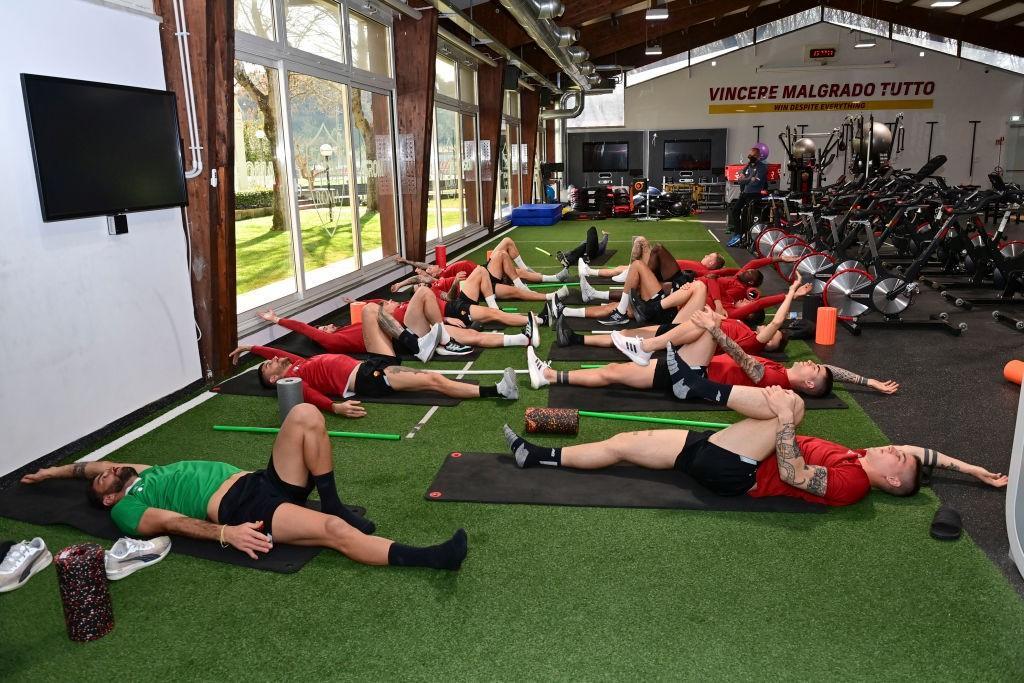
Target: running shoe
x,y
563,275
129,555
508,387
532,329
23,561
428,343
563,259
584,269
587,291
615,318
563,335
454,348
734,241
632,347
557,307
536,367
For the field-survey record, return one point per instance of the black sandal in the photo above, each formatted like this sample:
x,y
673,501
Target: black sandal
x,y
946,525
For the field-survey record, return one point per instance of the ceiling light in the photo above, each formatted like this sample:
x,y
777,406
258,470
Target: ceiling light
x,y
653,49
714,63
864,41
921,53
1015,117
657,14
945,3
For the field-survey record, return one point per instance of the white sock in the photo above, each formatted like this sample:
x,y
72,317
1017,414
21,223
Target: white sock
x,y
623,303
515,340
518,260
445,337
601,296
550,295
574,312
585,270
491,301
621,277
550,278
519,283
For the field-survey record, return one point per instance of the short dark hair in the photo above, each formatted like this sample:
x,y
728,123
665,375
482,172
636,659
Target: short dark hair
x,y
720,260
94,497
915,484
753,278
827,384
264,382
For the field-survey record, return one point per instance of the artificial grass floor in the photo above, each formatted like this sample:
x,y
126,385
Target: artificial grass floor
x,y
546,592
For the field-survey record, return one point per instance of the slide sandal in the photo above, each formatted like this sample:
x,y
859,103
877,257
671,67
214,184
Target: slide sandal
x,y
946,525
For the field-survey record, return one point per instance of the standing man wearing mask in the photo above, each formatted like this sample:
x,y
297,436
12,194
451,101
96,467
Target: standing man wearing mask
x,y
753,180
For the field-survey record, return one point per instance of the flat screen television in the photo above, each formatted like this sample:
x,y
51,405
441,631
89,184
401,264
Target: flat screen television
x,y
103,149
605,156
687,155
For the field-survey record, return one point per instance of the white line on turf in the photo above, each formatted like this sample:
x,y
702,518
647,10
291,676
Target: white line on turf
x,y
103,452
713,236
433,409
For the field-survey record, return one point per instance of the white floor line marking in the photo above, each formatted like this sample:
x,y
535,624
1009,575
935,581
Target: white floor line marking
x,y
103,452
433,409
713,236
714,222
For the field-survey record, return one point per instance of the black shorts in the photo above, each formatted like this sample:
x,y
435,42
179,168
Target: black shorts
x,y
256,497
662,381
459,308
681,278
721,471
370,380
666,328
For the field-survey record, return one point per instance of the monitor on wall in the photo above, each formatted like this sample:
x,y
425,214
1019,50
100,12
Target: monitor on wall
x,y
687,155
103,149
605,156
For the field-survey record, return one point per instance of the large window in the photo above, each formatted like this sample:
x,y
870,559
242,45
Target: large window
x,y
509,158
315,181
453,197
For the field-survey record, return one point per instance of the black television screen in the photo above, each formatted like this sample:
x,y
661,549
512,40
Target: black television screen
x,y
103,149
687,155
605,156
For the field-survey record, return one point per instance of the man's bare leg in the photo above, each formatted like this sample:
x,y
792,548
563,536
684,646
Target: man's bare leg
x,y
302,526
417,313
753,438
375,338
631,375
655,449
484,314
509,292
302,458
409,379
486,340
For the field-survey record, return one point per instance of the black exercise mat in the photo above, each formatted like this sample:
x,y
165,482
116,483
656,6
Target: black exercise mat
x,y
618,399
602,259
247,384
494,478
589,324
62,501
489,326
579,352
301,345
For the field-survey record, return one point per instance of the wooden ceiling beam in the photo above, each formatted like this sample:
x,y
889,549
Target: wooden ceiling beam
x,y
581,11
991,9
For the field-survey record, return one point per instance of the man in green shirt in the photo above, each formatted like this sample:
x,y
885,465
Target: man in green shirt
x,y
251,510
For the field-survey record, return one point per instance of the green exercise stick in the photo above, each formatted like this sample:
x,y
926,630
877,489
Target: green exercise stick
x,y
656,420
275,430
546,253
591,366
510,309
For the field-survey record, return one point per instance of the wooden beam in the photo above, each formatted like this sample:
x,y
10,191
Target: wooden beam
x,y
414,86
582,11
211,210
978,31
529,112
1011,21
991,9
633,29
753,6
907,3
491,98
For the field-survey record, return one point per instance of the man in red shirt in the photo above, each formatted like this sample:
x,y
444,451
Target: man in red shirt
x,y
760,456
713,372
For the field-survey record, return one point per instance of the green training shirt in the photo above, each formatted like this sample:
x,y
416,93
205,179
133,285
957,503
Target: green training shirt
x,y
184,487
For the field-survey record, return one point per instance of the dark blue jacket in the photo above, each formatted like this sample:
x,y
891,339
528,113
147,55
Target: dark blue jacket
x,y
748,182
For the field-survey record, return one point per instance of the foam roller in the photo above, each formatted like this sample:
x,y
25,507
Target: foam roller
x,y
88,612
825,330
1014,371
552,421
289,395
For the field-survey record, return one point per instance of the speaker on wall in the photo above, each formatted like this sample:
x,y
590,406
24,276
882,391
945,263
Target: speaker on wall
x,y
510,80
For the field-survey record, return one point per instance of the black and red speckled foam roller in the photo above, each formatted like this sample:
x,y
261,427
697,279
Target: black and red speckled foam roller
x,y
552,421
88,612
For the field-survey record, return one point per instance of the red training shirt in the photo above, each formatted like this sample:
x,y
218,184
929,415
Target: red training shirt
x,y
847,481
456,267
740,333
724,370
322,376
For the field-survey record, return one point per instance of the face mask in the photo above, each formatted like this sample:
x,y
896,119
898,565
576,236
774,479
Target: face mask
x,y
753,159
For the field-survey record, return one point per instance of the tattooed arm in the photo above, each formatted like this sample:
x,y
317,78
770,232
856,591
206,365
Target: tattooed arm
x,y
792,468
847,377
412,280
753,368
930,457
388,324
414,264
77,470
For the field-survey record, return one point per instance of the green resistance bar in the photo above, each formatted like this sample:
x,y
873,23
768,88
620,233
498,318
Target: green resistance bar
x,y
546,253
655,420
275,430
556,285
510,309
591,366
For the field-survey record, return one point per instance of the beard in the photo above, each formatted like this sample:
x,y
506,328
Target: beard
x,y
123,475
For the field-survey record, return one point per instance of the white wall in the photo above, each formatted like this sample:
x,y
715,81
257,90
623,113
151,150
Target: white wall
x,y
94,326
963,91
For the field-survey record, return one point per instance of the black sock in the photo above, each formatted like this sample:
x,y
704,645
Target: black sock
x,y
331,504
603,245
687,383
534,454
409,341
575,338
447,555
489,391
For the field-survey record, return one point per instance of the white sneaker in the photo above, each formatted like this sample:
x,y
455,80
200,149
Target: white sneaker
x,y
129,555
23,561
532,330
428,343
583,269
632,347
536,367
621,277
587,291
563,275
508,387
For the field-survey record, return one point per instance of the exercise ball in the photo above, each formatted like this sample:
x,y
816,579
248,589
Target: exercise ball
x,y
763,150
804,149
880,137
